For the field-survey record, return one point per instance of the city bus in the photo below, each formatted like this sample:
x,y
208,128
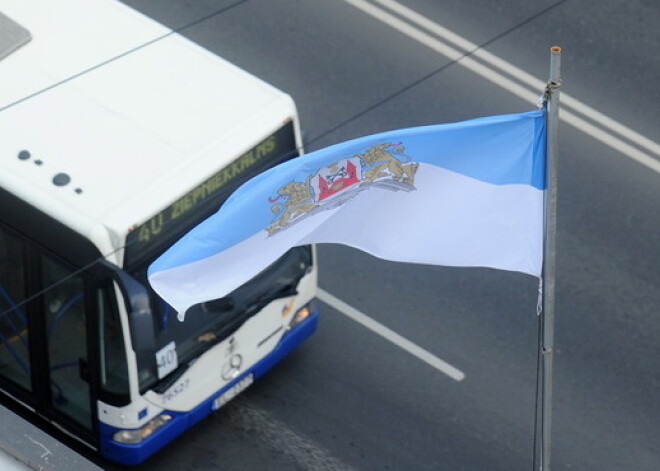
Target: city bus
x,y
119,135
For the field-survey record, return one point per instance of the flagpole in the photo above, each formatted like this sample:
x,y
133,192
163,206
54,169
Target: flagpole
x,y
549,250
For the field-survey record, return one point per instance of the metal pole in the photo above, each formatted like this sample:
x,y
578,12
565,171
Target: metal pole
x,y
547,348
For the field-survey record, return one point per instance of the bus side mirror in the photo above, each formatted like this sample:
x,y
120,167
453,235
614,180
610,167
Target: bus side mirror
x,y
140,318
142,330
141,321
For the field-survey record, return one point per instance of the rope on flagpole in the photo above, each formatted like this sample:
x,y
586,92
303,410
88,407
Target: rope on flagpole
x,y
549,88
539,299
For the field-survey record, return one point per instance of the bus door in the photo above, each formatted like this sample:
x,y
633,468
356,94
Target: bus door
x,y
64,307
44,333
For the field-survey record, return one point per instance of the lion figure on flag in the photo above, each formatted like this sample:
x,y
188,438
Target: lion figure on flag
x,y
382,162
299,199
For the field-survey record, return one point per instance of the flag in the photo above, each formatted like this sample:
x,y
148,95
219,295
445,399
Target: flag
x,y
461,194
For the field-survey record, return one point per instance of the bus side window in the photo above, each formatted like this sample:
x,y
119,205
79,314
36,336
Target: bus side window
x,y
14,354
112,353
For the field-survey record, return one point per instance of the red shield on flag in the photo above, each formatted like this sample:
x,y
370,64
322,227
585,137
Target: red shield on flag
x,y
334,179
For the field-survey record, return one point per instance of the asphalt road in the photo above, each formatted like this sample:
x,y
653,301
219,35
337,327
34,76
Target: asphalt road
x,y
349,399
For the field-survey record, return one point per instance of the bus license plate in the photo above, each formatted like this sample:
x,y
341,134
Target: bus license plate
x,y
232,392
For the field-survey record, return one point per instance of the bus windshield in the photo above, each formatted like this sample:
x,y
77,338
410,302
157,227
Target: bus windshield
x,y
209,323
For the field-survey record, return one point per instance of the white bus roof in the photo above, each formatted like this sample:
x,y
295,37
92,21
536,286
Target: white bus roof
x,y
157,118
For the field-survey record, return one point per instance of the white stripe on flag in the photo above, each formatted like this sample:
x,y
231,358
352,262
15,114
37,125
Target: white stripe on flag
x,y
449,220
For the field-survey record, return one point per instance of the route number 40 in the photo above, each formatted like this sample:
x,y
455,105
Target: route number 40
x,y
166,359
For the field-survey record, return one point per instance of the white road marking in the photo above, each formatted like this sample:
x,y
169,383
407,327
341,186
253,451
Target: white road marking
x,y
512,80
388,334
519,74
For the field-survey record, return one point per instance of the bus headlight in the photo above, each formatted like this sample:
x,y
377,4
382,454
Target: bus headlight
x,y
136,436
302,314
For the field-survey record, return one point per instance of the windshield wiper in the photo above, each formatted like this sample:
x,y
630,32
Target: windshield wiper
x,y
218,305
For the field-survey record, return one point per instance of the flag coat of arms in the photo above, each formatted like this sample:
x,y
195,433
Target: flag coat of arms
x,y
460,194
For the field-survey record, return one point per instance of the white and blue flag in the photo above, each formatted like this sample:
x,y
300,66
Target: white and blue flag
x,y
461,194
